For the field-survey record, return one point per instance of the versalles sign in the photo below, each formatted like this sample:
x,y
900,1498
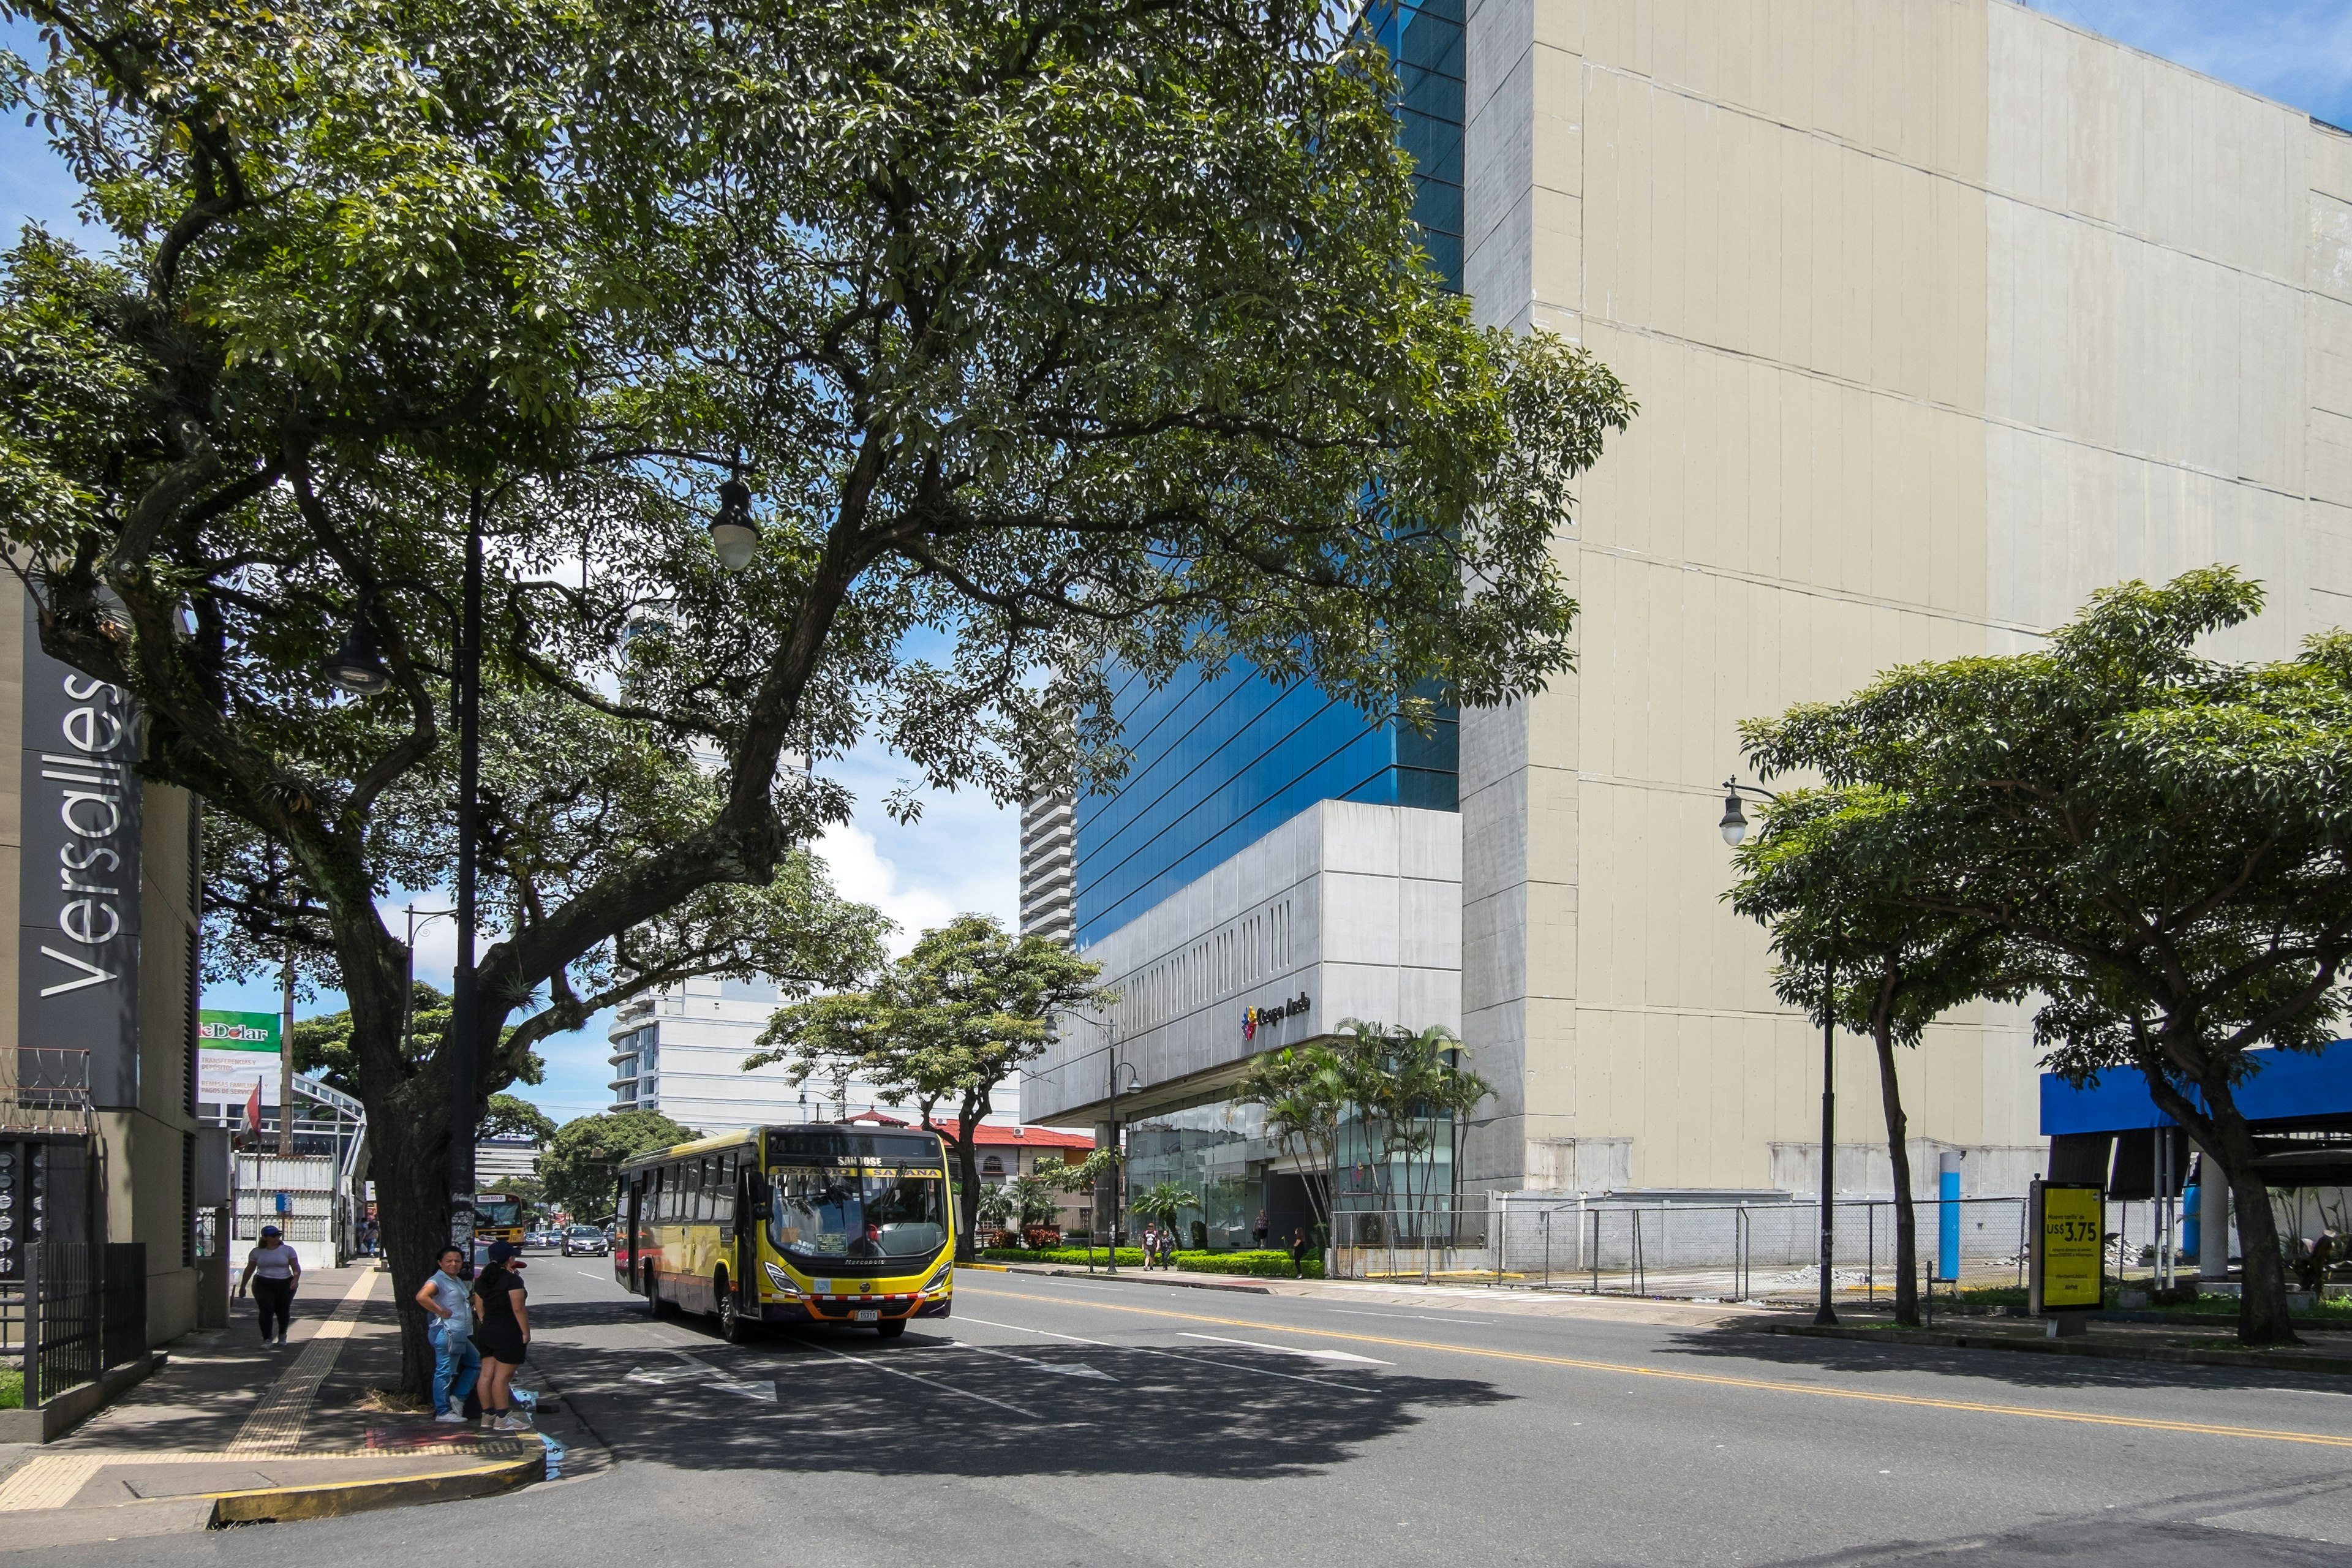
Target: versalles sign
x,y
78,959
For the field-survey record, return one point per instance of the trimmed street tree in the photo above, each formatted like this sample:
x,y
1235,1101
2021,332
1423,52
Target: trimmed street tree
x,y
943,1026
2157,835
1833,877
1054,338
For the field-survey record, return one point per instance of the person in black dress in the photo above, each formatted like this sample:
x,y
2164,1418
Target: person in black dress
x,y
502,1334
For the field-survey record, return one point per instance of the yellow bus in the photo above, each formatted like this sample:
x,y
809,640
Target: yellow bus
x,y
498,1217
813,1224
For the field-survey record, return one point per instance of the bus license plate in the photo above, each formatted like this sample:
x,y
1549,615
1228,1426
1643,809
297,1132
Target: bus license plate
x,y
868,1316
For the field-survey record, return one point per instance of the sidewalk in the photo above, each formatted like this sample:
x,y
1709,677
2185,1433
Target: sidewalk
x,y
235,1431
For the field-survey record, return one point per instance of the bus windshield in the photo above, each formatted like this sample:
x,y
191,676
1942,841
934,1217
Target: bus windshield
x,y
825,1213
497,1214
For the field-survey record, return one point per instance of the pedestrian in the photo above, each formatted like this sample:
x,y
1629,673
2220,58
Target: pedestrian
x,y
278,1270
370,1239
1150,1246
503,1331
1259,1231
456,1363
1299,1251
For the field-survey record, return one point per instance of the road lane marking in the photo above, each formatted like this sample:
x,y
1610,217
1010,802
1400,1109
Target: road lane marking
x,y
1060,1369
704,1375
1412,1316
2137,1423
931,1382
1170,1355
1287,1350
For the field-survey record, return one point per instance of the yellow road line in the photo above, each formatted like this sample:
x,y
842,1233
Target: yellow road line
x,y
2141,1423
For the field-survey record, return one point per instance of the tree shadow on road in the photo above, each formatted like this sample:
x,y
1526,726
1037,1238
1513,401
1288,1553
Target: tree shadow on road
x,y
924,1405
2021,1369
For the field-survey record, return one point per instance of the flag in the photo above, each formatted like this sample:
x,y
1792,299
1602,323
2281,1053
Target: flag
x,y
252,1112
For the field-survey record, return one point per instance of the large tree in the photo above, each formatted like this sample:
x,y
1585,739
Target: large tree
x,y
2158,833
576,1173
1042,340
941,1030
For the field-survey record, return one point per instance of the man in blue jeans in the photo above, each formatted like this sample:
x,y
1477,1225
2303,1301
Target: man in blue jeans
x,y
456,1361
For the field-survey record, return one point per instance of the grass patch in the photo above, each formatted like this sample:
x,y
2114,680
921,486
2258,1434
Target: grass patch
x,y
11,1388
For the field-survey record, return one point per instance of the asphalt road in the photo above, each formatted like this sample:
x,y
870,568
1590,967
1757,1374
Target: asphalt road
x,y
1065,1422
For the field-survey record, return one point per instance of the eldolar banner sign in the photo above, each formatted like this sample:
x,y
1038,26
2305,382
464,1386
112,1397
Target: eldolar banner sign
x,y
234,1050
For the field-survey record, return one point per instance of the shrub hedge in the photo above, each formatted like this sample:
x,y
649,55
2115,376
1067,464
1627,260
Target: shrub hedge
x,y
1268,1264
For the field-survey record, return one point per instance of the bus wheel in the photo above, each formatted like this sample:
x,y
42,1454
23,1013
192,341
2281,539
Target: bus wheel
x,y
733,1326
661,1309
891,1328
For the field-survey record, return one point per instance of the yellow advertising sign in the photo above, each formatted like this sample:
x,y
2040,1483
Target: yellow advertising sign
x,y
2069,1267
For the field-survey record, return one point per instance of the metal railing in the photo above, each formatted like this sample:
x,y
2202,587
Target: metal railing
x,y
1729,1250
1443,1239
76,1309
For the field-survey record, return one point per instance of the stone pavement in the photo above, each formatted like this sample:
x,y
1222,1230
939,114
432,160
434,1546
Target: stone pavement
x,y
232,1430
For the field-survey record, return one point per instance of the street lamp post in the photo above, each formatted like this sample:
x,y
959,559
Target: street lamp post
x,y
1135,1082
1734,827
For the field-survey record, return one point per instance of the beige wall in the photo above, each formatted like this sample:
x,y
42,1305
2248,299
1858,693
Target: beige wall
x,y
1941,314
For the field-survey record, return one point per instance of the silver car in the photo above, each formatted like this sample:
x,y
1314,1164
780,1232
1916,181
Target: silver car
x,y
585,1241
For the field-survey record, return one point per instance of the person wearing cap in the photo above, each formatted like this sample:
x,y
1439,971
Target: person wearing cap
x,y
272,1270
503,1335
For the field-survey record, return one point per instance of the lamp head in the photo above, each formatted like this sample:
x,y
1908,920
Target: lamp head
x,y
1734,825
356,667
733,535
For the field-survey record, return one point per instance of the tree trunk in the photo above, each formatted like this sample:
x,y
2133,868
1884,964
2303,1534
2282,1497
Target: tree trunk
x,y
1907,1220
968,1200
2223,1135
414,1211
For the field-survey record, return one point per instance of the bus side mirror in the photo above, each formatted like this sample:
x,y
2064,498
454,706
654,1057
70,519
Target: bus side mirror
x,y
761,1207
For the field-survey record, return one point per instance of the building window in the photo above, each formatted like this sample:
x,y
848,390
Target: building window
x,y
991,1166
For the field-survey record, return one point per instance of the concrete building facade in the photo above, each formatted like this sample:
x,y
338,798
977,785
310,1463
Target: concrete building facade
x,y
1942,315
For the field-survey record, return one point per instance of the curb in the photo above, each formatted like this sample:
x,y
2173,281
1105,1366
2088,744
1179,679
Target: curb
x,y
332,1499
1131,1279
2268,1361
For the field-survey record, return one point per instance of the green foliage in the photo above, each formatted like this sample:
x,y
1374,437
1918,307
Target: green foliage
x,y
508,1116
1388,1084
1020,1202
323,1043
1265,1265
576,1170
2147,836
1162,1203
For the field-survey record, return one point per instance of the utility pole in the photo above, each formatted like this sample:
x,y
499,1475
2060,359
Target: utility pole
x,y
464,1115
286,1051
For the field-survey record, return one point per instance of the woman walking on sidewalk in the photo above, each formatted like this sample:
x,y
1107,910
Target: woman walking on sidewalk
x,y
504,1336
281,1270
456,1363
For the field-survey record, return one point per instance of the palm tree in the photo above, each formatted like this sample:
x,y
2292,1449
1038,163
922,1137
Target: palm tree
x,y
1162,1203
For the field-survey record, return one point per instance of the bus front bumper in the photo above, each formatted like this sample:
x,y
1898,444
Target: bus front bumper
x,y
844,1309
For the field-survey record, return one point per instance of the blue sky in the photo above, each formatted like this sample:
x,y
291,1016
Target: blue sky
x,y
964,852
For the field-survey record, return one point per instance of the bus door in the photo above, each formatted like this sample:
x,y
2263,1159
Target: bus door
x,y
624,1245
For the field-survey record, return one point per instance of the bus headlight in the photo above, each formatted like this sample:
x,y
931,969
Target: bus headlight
x,y
939,1280
779,1279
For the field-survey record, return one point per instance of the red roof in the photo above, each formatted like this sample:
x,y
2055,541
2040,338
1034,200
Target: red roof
x,y
987,1137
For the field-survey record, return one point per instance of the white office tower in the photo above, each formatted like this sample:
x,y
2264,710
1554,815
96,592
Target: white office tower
x,y
1048,867
681,1051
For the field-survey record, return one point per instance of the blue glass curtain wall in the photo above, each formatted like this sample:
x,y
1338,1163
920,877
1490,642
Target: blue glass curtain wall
x,y
1220,764
1425,42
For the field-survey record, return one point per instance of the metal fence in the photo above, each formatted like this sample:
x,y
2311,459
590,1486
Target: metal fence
x,y
1424,1243
1737,1251
76,1309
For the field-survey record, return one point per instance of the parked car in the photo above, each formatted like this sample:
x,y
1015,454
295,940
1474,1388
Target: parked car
x,y
586,1239
550,1239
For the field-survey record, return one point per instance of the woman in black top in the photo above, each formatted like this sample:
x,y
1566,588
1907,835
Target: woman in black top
x,y
502,1333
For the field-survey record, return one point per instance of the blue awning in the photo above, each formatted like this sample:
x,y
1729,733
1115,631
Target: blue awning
x,y
2292,1086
